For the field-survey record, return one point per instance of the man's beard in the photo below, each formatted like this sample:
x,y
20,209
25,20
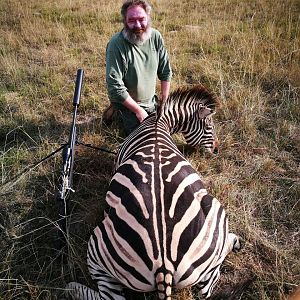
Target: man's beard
x,y
137,37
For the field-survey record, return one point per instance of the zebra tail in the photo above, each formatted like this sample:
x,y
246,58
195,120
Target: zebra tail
x,y
164,281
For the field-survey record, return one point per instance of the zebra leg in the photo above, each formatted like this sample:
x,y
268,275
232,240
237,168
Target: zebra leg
x,y
209,281
109,287
77,291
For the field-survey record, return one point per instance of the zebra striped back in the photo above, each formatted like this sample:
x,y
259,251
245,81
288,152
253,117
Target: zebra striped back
x,y
161,229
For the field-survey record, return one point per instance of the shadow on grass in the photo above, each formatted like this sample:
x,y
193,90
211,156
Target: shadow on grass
x,y
30,253
31,262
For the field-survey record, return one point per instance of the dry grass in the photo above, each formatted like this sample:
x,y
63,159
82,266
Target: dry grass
x,y
247,52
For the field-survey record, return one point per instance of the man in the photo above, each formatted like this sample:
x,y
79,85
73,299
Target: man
x,y
135,57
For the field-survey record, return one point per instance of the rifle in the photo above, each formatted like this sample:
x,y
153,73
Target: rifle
x,y
66,177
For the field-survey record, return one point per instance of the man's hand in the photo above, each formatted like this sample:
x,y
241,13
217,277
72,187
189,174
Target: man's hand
x,y
141,114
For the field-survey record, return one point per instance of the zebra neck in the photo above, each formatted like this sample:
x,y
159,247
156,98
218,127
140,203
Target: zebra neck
x,y
171,123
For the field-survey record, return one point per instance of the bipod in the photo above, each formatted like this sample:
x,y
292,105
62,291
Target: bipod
x,y
95,148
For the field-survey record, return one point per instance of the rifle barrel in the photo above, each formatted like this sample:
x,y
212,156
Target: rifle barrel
x,y
79,80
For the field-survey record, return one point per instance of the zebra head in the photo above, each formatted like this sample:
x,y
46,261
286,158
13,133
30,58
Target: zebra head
x,y
190,111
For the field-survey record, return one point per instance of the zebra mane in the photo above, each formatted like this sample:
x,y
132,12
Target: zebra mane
x,y
196,93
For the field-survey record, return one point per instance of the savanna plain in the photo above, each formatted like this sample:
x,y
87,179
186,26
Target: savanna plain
x,y
247,52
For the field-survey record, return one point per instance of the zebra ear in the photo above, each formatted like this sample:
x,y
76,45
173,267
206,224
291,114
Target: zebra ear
x,y
205,112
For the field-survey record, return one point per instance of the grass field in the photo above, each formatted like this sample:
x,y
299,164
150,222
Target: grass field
x,y
247,52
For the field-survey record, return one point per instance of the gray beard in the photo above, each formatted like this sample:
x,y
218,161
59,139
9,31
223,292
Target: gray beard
x,y
137,38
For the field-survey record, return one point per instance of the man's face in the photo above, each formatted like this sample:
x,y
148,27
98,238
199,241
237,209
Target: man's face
x,y
136,20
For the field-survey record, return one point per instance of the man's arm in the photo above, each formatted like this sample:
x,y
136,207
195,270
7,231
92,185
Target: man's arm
x,y
115,70
140,113
164,71
165,90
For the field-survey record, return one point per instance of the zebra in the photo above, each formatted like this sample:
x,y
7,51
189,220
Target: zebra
x,y
161,230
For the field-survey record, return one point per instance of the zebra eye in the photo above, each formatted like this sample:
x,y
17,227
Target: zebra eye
x,y
209,121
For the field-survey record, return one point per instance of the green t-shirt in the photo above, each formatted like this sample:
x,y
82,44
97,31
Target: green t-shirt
x,y
132,69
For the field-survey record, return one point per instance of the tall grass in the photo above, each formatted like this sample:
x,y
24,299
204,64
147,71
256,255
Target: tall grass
x,y
247,52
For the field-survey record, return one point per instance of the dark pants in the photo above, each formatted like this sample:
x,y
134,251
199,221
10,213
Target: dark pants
x,y
129,120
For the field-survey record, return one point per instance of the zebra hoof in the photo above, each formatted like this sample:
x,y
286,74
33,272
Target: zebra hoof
x,y
237,244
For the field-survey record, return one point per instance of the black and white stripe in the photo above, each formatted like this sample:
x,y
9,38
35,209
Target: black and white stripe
x,y
162,228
